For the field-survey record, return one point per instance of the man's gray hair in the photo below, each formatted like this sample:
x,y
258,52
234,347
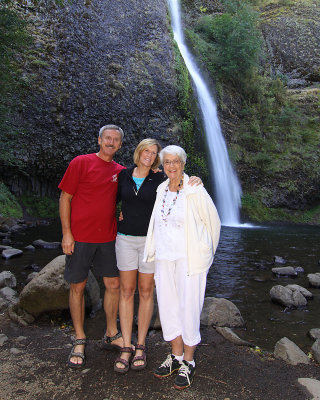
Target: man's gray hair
x,y
174,151
112,128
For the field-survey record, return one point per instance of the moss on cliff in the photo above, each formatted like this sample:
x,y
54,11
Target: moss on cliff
x,y
192,140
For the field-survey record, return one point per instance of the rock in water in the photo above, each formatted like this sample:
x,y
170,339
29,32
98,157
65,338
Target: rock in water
x,y
285,271
314,333
279,260
46,245
10,253
7,279
220,312
8,296
287,297
314,280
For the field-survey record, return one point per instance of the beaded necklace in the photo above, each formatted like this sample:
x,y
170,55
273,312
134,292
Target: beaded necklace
x,y
163,215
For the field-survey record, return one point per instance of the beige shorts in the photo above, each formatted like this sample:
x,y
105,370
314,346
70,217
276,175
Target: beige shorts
x,y
129,252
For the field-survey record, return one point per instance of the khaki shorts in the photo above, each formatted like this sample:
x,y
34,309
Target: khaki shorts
x,y
129,252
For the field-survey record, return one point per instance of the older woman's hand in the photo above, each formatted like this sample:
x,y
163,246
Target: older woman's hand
x,y
195,180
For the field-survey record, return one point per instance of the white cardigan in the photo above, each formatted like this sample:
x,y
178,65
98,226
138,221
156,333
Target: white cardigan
x,y
202,227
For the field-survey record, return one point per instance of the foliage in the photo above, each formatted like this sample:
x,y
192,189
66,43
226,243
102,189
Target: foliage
x,y
9,206
229,43
252,206
275,137
43,207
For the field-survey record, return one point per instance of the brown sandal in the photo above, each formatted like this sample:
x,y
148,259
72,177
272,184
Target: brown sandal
x,y
143,358
122,361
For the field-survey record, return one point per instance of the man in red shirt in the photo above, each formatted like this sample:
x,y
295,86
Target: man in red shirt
x,y
87,212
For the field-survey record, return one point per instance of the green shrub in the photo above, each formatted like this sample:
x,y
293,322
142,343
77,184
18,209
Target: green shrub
x,y
231,42
9,206
43,207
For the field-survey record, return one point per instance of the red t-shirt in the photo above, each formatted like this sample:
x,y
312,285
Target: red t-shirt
x,y
93,184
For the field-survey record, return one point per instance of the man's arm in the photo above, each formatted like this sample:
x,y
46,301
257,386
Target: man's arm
x,y
65,216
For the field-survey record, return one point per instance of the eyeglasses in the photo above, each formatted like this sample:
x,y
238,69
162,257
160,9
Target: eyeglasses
x,y
173,162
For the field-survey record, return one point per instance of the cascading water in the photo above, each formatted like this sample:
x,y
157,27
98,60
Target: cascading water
x,y
227,186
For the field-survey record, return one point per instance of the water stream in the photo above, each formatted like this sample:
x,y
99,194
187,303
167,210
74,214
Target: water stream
x,y
227,186
241,273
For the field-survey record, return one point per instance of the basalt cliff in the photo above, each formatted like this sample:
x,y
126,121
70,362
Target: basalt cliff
x,y
93,62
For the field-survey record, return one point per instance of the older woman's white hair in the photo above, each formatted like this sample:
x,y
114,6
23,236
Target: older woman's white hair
x,y
174,151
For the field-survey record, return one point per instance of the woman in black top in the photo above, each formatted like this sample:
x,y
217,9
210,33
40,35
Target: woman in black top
x,y
137,191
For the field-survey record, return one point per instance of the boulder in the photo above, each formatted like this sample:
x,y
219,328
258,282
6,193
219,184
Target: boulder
x,y
314,279
312,387
306,293
9,297
10,253
30,248
288,351
315,349
314,333
287,297
220,312
31,276
48,291
3,247
7,279
42,244
285,271
18,228
3,304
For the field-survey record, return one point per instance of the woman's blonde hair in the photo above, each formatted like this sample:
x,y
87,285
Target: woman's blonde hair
x,y
142,146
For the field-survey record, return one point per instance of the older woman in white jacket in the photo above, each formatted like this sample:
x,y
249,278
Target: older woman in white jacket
x,y
182,238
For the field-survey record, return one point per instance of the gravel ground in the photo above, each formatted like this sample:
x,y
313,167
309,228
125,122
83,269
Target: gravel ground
x,y
33,366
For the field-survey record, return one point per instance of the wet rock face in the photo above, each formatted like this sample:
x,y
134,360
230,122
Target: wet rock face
x,y
97,62
292,37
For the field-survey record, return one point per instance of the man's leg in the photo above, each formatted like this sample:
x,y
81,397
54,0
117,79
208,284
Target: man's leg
x,y
111,306
77,310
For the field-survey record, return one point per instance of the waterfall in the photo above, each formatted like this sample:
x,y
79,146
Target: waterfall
x,y
227,186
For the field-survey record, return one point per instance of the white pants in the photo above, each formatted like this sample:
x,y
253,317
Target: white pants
x,y
180,300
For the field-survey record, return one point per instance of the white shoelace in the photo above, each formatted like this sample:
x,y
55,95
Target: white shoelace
x,y
184,371
167,362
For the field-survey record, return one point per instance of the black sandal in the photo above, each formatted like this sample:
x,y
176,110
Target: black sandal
x,y
122,361
73,353
143,358
107,341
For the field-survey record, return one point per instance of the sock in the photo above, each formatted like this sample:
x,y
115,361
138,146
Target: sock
x,y
179,358
192,363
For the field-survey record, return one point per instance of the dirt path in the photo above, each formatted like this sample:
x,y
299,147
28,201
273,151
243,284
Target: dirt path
x,y
37,370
